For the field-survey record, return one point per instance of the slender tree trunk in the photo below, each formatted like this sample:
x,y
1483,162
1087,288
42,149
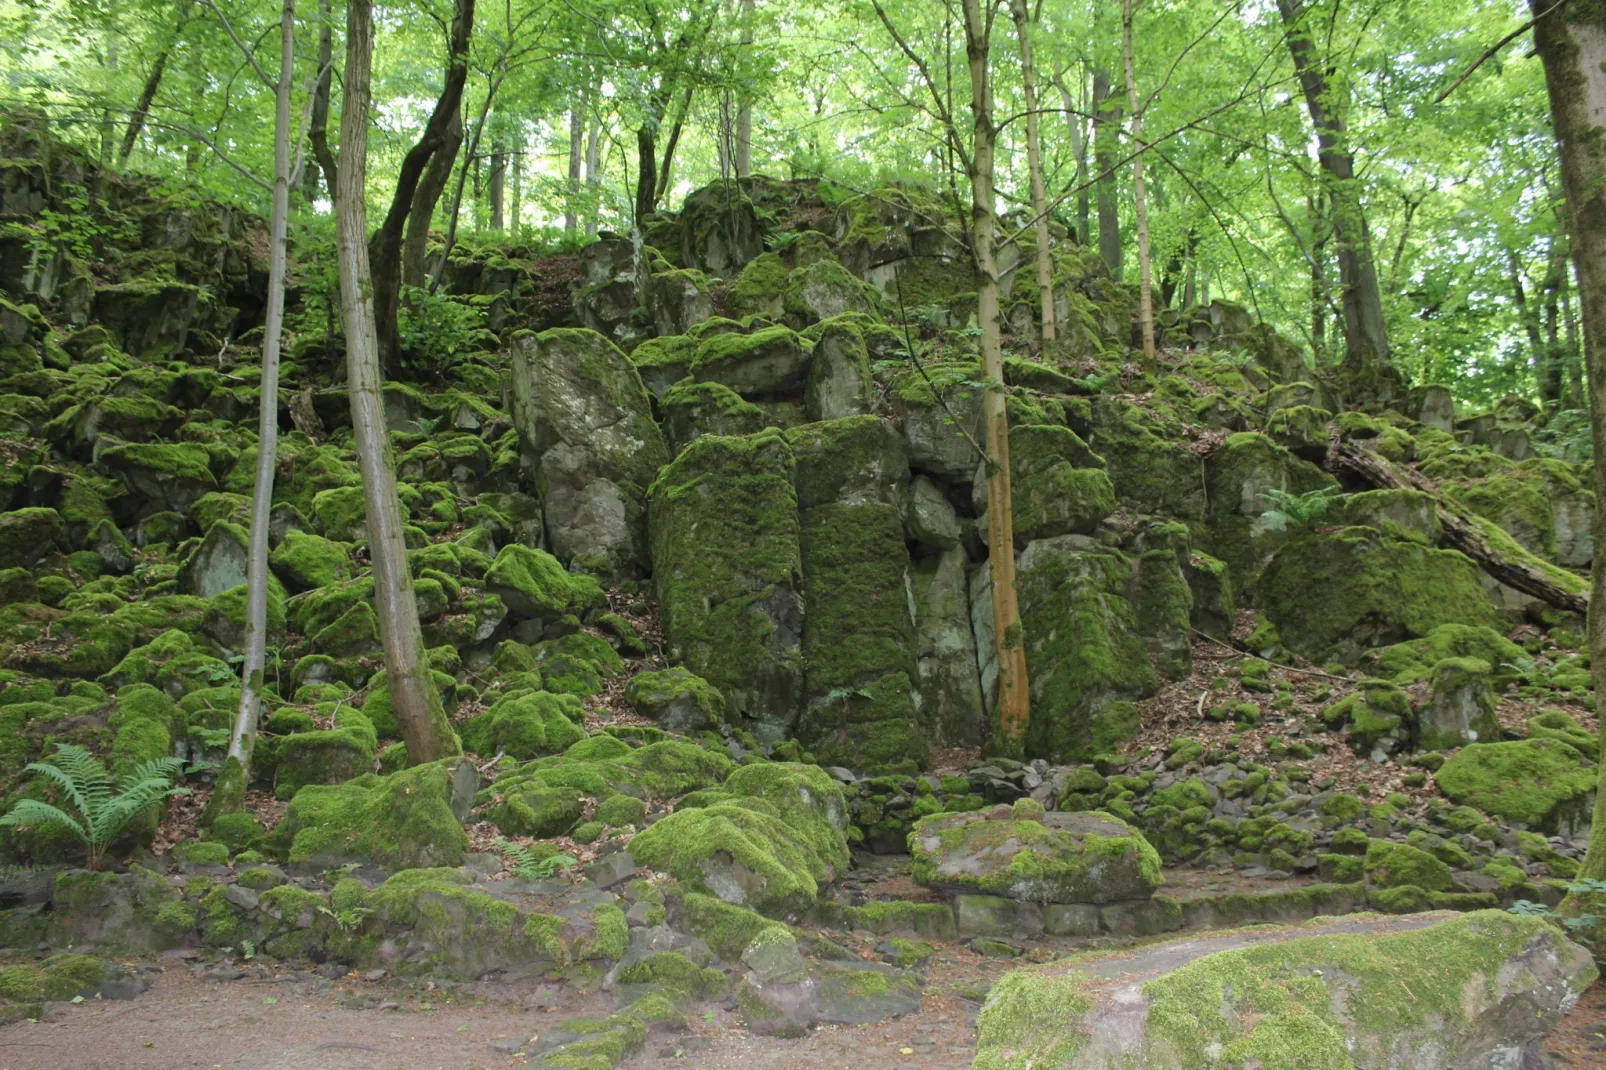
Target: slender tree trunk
x,y
1571,43
1034,164
744,107
571,212
462,179
108,124
1365,338
1077,130
1576,398
1106,130
1139,194
319,127
1014,700
516,196
153,82
415,245
1553,386
1527,316
386,247
1320,297
498,184
667,166
593,164
417,705
229,794
646,173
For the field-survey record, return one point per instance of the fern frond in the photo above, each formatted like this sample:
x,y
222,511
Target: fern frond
x,y
163,769
31,813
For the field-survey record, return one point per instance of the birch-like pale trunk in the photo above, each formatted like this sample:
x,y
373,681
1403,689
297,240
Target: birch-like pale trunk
x,y
1139,193
417,705
1034,165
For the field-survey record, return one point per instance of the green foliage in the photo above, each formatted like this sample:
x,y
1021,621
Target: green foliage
x,y
437,331
532,863
1297,511
103,806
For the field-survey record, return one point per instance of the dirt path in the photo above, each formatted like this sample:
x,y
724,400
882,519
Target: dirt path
x,y
301,1023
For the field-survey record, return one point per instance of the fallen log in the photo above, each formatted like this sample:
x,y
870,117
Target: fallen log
x,y
1460,531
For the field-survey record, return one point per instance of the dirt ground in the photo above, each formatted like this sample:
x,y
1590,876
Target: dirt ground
x,y
295,1022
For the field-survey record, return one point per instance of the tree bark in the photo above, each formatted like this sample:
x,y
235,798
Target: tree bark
x,y
646,172
153,82
1077,130
593,165
744,107
571,211
385,250
415,246
1106,130
1552,384
1014,700
462,178
1571,43
229,794
1528,318
1139,194
417,705
1034,164
319,127
498,184
666,167
1365,337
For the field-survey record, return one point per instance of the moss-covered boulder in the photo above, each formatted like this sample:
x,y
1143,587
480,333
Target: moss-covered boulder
x,y
1085,656
1543,783
324,756
26,535
304,561
1461,708
1488,988
165,475
692,409
1059,486
1049,858
534,585
726,570
1151,469
939,413
839,381
410,819
1414,660
580,406
1377,717
1394,865
528,725
1333,595
678,699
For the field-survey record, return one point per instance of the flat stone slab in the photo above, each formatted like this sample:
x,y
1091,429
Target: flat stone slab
x,y
1047,858
1434,991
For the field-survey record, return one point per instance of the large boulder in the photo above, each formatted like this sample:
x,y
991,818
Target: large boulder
x,y
1153,471
1240,474
1046,858
939,413
1337,594
948,680
769,363
1058,485
413,818
582,411
727,573
720,229
1433,992
609,300
1543,783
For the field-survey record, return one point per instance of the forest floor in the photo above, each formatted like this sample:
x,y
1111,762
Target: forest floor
x,y
200,1016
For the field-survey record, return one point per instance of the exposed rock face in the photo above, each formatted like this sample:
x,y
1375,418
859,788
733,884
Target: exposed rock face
x,y
583,413
611,299
1489,987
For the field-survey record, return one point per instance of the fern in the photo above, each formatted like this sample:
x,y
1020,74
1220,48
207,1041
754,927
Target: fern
x,y
526,863
1297,510
103,806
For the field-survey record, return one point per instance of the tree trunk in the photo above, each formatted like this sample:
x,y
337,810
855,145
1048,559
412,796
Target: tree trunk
x,y
744,108
319,127
1034,164
1576,398
646,172
1319,296
593,167
571,211
229,793
498,183
385,250
413,697
1571,43
1552,385
415,246
1077,130
516,181
153,82
462,178
1366,344
665,168
1014,700
1106,130
1139,195
1529,318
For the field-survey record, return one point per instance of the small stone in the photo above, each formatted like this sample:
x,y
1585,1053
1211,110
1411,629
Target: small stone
x,y
374,975
611,869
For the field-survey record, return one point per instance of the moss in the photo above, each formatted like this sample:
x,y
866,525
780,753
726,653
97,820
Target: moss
x,y
1413,660
526,726
1558,724
325,756
769,362
680,700
59,977
397,821
1391,865
1540,782
305,561
1027,1021
1094,861
727,928
620,811
669,767
1372,591
1150,471
26,535
533,583
735,853
761,286
1059,485
1084,655
724,530
1377,712
577,664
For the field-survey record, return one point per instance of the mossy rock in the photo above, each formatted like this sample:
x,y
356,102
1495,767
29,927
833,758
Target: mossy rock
x,y
1543,783
678,699
409,819
1394,865
525,726
534,584
1333,595
1059,858
330,756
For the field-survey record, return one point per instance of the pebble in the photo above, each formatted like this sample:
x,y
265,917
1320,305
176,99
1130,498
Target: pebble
x,y
374,975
